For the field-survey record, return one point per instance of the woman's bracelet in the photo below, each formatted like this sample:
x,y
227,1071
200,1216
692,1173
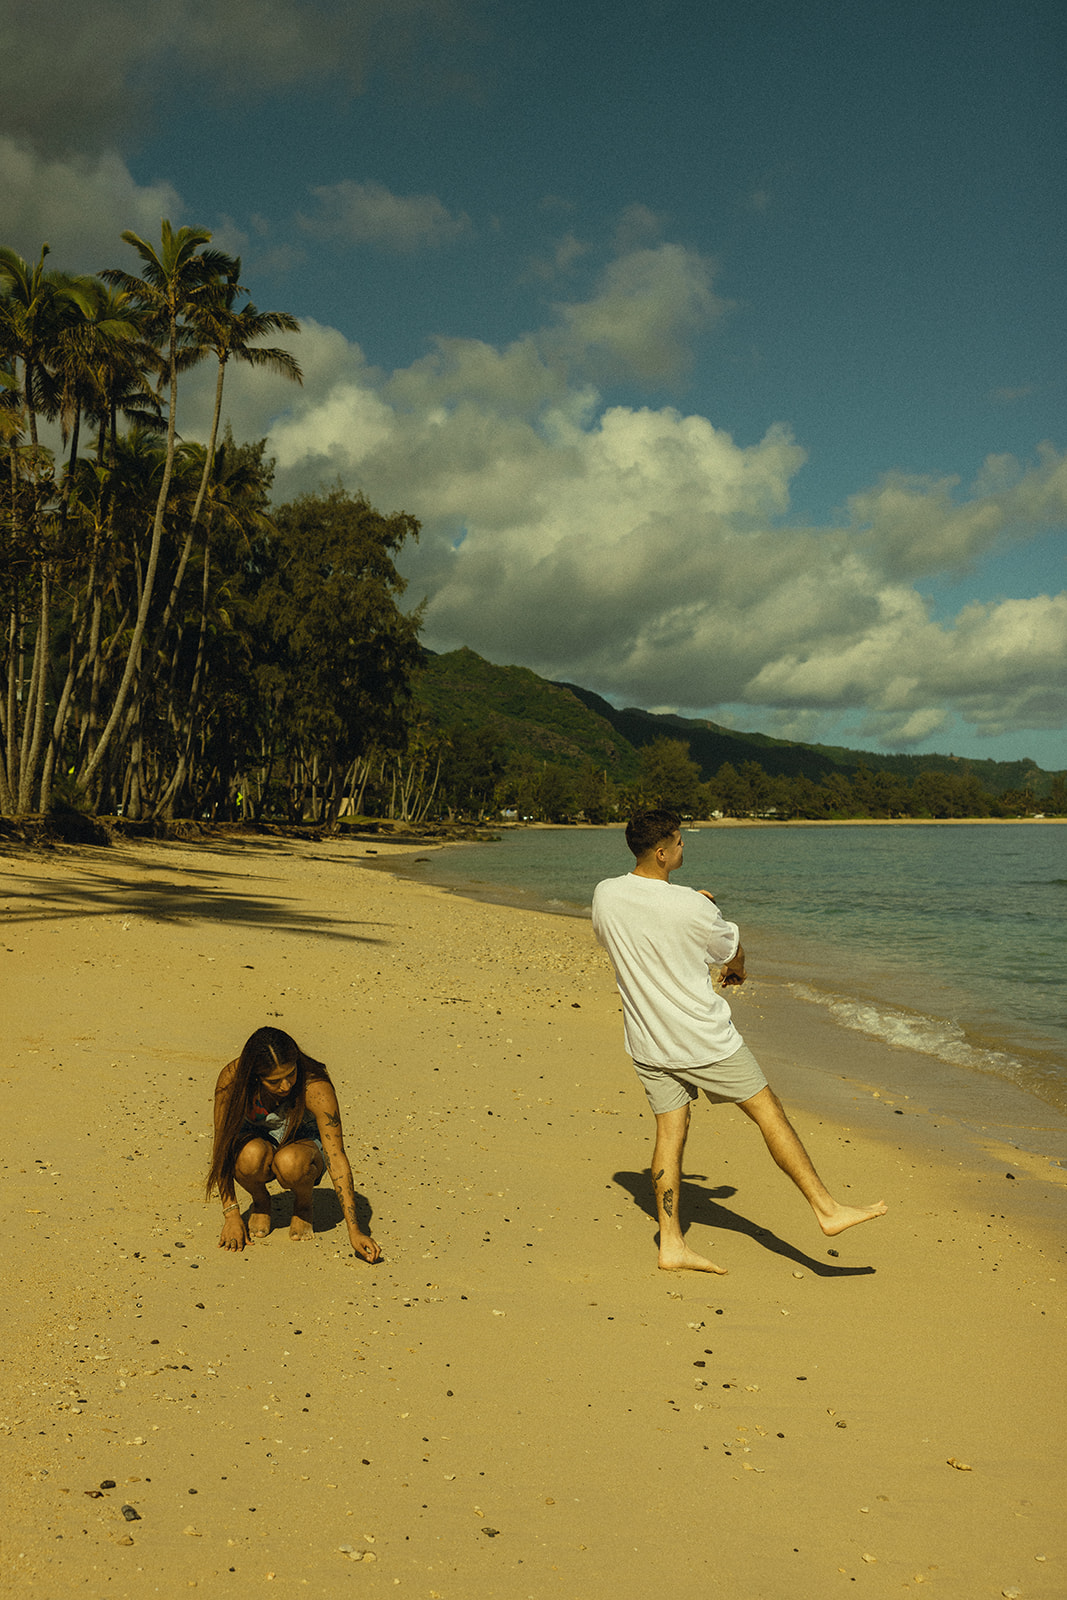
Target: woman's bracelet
x,y
235,1207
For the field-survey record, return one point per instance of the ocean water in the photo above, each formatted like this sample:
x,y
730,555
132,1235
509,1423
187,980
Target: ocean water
x,y
947,941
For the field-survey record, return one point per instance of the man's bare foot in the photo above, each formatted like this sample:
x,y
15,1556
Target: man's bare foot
x,y
259,1221
301,1227
681,1259
843,1217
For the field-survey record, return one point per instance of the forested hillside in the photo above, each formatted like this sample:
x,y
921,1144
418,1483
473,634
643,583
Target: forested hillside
x,y
710,745
506,738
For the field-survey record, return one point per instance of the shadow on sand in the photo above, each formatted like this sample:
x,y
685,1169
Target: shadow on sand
x,y
183,893
703,1205
327,1214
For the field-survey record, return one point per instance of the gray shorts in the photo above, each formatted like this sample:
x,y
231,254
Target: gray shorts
x,y
738,1077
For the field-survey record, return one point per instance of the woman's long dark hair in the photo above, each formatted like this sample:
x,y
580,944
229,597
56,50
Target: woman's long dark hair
x,y
266,1051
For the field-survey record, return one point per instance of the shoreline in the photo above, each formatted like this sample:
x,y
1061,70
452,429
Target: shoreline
x,y
966,1053
806,822
985,1112
517,1352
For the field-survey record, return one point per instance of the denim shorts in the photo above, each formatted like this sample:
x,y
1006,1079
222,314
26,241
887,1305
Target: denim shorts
x,y
308,1131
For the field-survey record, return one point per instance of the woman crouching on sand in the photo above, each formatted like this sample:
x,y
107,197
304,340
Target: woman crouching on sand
x,y
276,1116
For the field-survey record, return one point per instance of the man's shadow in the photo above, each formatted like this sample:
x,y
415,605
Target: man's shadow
x,y
702,1205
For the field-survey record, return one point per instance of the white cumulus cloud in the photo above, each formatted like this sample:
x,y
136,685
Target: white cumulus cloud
x,y
649,555
648,306
78,205
914,525
368,213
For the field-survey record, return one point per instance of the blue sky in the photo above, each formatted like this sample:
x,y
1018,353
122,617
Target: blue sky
x,y
718,347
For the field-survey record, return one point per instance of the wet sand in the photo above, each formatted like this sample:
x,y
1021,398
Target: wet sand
x,y
515,1402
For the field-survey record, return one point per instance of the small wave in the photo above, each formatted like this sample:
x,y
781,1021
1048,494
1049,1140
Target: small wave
x,y
911,1030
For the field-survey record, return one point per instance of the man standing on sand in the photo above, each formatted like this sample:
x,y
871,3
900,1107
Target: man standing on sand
x,y
661,938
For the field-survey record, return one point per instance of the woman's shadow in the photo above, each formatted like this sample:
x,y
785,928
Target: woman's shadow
x,y
327,1212
703,1205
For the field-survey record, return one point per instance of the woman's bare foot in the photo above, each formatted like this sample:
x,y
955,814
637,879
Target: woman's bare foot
x,y
259,1218
302,1226
679,1258
843,1217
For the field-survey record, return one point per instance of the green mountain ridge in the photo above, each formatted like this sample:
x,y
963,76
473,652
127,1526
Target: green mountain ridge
x,y
462,692
567,724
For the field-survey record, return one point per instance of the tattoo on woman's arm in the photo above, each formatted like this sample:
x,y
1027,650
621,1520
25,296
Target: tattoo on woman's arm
x,y
332,1120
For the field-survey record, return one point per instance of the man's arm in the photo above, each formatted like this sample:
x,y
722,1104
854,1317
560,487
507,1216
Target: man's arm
x,y
734,970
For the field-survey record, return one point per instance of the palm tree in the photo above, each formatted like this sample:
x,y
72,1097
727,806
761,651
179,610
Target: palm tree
x,y
214,327
102,358
12,418
122,376
173,280
234,506
117,498
35,306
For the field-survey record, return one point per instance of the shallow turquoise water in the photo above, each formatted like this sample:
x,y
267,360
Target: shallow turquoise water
x,y
949,941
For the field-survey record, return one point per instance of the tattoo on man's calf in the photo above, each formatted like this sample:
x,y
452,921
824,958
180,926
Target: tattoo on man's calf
x,y
668,1202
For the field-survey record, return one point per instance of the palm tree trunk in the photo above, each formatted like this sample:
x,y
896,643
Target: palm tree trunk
x,y
9,720
205,477
168,800
37,700
51,756
88,738
82,661
7,798
427,797
357,799
86,776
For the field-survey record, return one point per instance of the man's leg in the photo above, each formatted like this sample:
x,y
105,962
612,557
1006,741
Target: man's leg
x,y
672,1128
781,1139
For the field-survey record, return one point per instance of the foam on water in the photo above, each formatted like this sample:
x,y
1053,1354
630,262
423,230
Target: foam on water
x,y
934,1036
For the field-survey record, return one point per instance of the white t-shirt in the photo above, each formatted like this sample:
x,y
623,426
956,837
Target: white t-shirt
x,y
660,937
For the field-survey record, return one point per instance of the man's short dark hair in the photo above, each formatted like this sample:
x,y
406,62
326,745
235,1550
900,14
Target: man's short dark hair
x,y
647,829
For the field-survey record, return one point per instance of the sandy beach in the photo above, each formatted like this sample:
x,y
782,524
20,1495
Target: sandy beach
x,y
514,1403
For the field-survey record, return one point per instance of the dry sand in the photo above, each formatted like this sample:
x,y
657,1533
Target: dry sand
x,y
515,1402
